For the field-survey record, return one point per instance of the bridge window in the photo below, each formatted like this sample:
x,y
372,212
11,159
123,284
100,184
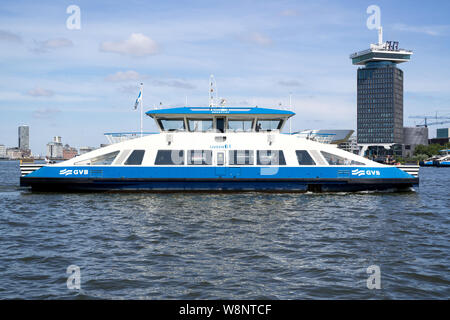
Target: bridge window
x,y
220,125
169,157
268,125
135,158
335,160
200,125
236,125
304,159
270,158
172,124
102,160
241,157
199,157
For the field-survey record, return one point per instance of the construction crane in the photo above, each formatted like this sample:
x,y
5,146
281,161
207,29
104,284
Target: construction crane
x,y
426,123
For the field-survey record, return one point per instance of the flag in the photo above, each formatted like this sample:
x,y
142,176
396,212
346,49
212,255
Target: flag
x,y
139,98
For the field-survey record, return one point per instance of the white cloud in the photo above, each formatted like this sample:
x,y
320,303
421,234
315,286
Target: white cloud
x,y
173,83
46,113
40,92
51,44
9,36
129,75
258,38
436,30
136,45
289,13
289,83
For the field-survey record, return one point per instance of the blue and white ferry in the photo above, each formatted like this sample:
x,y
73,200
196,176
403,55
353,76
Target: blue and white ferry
x,y
220,149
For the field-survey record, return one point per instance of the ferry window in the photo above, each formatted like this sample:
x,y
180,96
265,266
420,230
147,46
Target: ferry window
x,y
135,157
220,158
199,157
169,157
268,125
200,125
172,124
304,159
103,160
220,124
240,125
335,160
270,157
241,157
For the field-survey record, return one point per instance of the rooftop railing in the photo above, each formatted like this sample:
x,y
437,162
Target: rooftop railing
x,y
116,137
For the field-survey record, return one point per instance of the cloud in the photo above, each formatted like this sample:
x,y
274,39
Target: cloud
x,y
51,44
436,30
129,89
173,83
46,113
289,13
9,37
137,45
129,75
289,83
40,92
258,38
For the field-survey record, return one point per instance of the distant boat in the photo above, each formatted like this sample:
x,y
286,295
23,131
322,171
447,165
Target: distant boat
x,y
441,160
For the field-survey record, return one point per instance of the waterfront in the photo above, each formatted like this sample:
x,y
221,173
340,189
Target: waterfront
x,y
225,246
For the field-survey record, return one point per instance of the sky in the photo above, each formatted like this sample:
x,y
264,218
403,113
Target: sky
x,y
81,83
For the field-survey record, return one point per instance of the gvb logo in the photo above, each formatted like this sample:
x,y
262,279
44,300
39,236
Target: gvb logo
x,y
374,280
74,279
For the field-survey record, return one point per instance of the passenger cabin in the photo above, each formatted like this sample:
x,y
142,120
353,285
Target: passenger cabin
x,y
220,119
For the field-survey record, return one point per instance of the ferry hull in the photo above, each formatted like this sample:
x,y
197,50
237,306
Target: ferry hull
x,y
218,185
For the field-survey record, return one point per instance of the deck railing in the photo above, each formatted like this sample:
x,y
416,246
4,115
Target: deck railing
x,y
116,137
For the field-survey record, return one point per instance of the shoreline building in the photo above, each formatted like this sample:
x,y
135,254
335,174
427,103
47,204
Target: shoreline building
x,y
380,97
2,151
55,149
24,140
69,152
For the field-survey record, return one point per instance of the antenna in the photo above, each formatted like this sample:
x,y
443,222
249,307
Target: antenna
x,y
380,35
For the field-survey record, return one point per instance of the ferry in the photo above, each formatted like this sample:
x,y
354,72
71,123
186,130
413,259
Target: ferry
x,y
441,160
220,149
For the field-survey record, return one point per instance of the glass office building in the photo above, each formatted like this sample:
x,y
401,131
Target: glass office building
x,y
24,138
380,103
380,93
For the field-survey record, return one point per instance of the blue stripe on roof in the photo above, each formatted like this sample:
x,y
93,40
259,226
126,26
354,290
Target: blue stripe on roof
x,y
219,110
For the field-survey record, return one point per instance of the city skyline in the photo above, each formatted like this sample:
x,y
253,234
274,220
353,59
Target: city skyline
x,y
81,83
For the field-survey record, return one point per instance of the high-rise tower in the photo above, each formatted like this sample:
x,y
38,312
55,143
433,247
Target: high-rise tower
x,y
24,138
380,93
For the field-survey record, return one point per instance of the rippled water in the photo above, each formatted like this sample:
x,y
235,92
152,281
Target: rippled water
x,y
225,246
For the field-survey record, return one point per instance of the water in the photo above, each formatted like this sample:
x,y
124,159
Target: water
x,y
225,246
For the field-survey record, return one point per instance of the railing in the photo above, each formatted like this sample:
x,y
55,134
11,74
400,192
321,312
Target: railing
x,y
27,167
411,169
116,137
326,138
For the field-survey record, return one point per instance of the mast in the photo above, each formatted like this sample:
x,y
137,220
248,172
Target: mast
x,y
142,110
212,91
290,109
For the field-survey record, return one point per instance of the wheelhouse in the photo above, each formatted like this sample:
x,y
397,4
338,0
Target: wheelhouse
x,y
220,120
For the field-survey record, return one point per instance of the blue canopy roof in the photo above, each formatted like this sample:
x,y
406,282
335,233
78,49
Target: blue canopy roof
x,y
219,110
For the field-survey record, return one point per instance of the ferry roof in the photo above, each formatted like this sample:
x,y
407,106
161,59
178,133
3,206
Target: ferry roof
x,y
219,110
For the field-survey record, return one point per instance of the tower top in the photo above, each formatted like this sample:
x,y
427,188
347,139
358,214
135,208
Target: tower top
x,y
382,51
